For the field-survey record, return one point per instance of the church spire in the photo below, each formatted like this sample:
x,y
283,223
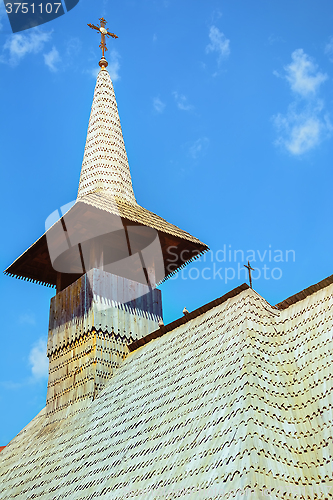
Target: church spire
x,y
105,165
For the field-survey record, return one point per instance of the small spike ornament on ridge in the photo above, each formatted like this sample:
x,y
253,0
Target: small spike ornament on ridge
x,y
249,268
104,32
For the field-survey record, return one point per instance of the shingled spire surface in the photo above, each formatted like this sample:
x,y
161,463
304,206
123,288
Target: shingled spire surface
x,y
105,165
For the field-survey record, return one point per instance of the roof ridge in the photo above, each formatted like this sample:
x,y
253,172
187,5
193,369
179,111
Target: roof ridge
x,y
305,293
184,319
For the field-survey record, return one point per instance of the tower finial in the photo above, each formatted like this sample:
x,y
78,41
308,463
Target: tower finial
x,y
104,32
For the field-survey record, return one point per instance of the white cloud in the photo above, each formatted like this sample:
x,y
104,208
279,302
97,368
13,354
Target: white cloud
x,y
298,132
51,59
218,43
2,14
216,15
198,147
27,319
114,65
158,105
73,47
305,125
181,102
18,45
302,74
329,49
93,72
38,360
275,39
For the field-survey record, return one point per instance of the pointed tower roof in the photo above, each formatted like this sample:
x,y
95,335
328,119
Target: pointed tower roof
x,y
106,219
105,164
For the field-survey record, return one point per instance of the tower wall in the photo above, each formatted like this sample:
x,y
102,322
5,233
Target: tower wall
x,y
91,323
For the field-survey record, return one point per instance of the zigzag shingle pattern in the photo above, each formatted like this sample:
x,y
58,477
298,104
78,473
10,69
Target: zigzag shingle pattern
x,y
235,403
104,200
105,163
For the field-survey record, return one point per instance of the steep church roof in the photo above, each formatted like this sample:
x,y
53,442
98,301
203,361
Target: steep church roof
x,y
234,401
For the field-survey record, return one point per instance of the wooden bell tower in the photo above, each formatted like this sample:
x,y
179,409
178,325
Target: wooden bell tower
x,y
105,256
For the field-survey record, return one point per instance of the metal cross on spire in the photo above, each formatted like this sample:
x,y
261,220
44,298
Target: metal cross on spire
x,y
104,32
249,268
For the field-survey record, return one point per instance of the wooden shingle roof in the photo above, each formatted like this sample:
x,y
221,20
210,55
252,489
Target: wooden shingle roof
x,y
305,293
234,402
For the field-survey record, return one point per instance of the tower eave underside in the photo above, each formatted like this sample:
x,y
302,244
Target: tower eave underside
x,y
35,263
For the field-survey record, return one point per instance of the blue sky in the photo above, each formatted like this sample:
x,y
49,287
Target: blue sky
x,y
226,110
